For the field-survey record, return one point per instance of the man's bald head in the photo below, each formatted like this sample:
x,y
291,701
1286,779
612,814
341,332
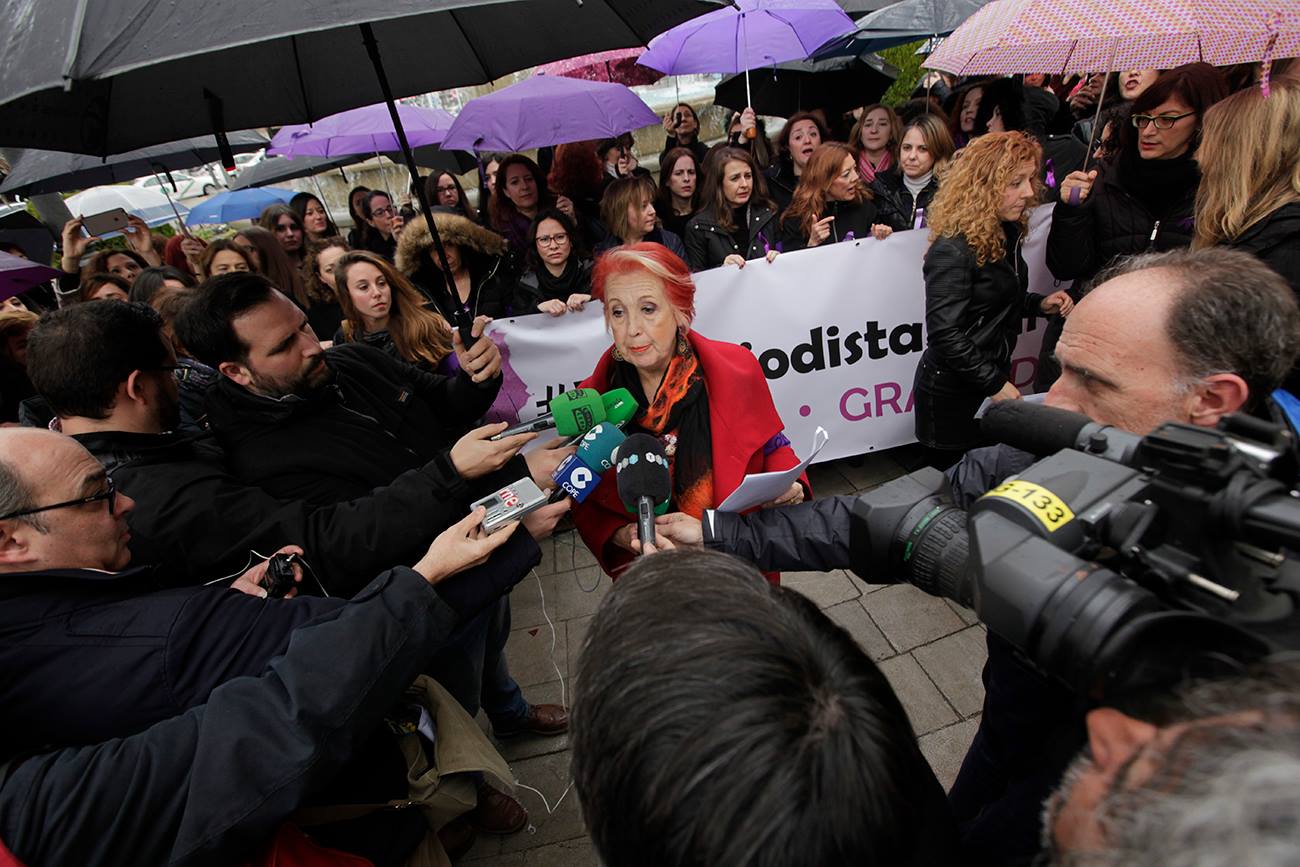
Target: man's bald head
x,y
40,468
1185,336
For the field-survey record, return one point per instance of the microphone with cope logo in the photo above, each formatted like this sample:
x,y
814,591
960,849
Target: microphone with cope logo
x,y
580,473
641,471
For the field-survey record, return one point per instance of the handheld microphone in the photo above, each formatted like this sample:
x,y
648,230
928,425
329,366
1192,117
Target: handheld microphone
x,y
580,473
641,470
619,405
1045,430
572,413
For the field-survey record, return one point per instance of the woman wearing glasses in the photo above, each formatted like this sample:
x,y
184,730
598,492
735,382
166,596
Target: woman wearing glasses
x,y
558,278
383,224
1140,201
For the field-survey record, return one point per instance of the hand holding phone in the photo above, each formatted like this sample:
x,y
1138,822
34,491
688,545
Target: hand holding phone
x,y
100,224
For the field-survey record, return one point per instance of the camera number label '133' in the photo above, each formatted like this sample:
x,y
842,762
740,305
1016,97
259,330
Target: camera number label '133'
x,y
1045,506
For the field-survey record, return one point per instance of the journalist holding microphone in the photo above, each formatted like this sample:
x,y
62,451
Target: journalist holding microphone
x,y
707,401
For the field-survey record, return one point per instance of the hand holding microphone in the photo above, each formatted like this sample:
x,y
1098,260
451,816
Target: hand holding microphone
x,y
483,451
572,413
643,481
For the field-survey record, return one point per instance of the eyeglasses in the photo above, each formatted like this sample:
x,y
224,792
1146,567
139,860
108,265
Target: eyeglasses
x,y
109,493
446,189
382,212
553,240
1162,121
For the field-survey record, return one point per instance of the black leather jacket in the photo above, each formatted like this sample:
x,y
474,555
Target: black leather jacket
x,y
707,243
972,315
894,203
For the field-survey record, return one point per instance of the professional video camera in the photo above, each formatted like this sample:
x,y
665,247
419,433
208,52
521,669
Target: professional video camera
x,y
1117,563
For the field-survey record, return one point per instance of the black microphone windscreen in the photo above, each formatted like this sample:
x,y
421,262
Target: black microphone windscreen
x,y
1038,429
642,471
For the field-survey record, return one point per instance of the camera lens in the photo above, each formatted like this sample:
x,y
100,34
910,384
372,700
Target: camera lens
x,y
931,546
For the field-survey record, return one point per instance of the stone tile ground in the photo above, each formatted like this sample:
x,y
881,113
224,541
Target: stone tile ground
x,y
931,651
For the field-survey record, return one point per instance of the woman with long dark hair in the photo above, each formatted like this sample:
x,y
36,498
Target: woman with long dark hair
x,y
356,198
679,189
272,262
285,224
682,130
383,224
443,190
320,300
316,221
558,279
738,221
521,193
800,136
831,204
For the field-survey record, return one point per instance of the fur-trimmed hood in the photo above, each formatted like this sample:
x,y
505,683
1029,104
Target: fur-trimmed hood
x,y
416,241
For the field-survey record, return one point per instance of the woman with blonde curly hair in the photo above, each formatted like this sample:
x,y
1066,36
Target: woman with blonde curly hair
x,y
384,309
976,289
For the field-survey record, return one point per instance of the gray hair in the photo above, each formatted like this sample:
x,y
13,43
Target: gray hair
x,y
1234,315
1225,792
16,495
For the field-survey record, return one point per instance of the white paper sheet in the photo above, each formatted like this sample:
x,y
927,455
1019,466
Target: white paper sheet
x,y
762,488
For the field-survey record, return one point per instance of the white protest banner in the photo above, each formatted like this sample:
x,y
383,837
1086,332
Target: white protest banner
x,y
838,331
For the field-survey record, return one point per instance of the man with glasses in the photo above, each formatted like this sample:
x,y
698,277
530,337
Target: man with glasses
x,y
91,653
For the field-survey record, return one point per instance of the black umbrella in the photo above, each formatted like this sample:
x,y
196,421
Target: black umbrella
x,y
36,171
274,170
434,157
18,226
106,77
109,77
900,23
836,85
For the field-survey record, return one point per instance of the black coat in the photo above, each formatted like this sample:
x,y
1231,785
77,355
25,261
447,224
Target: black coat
x,y
658,236
210,784
93,655
707,243
1110,223
781,183
1275,240
534,287
378,419
197,522
972,315
853,220
894,203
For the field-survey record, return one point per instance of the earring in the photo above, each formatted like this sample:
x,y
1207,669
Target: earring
x,y
615,353
683,348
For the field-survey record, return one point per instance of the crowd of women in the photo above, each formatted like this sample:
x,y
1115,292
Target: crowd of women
x,y
1189,156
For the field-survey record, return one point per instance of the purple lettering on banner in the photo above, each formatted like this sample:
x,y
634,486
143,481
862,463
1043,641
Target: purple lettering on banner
x,y
866,404
1027,365
891,401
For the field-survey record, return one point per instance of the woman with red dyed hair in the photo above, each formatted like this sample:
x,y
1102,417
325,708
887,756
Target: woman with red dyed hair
x,y
706,400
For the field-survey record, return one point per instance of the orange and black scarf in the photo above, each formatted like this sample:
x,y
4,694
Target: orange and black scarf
x,y
680,412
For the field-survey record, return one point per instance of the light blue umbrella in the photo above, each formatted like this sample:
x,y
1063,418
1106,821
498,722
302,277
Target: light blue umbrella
x,y
234,205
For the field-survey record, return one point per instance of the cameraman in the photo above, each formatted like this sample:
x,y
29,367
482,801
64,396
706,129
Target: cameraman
x,y
1188,336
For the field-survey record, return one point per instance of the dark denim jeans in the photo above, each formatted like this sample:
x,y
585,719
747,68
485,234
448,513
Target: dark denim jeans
x,y
472,667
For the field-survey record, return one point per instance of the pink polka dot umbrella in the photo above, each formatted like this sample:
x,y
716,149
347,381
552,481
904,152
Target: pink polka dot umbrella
x,y
1069,36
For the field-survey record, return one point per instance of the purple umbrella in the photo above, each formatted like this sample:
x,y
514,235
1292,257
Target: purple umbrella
x,y
747,35
366,130
17,275
547,110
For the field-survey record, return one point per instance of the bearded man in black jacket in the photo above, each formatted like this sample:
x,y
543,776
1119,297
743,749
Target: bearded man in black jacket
x,y
327,426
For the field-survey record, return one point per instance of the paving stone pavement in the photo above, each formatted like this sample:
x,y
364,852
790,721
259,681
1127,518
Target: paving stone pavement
x,y
930,649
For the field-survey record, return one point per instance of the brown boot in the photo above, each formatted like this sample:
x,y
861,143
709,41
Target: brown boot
x,y
541,719
497,813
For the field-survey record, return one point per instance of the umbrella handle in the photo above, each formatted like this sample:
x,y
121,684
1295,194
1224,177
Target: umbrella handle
x,y
1101,98
184,231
